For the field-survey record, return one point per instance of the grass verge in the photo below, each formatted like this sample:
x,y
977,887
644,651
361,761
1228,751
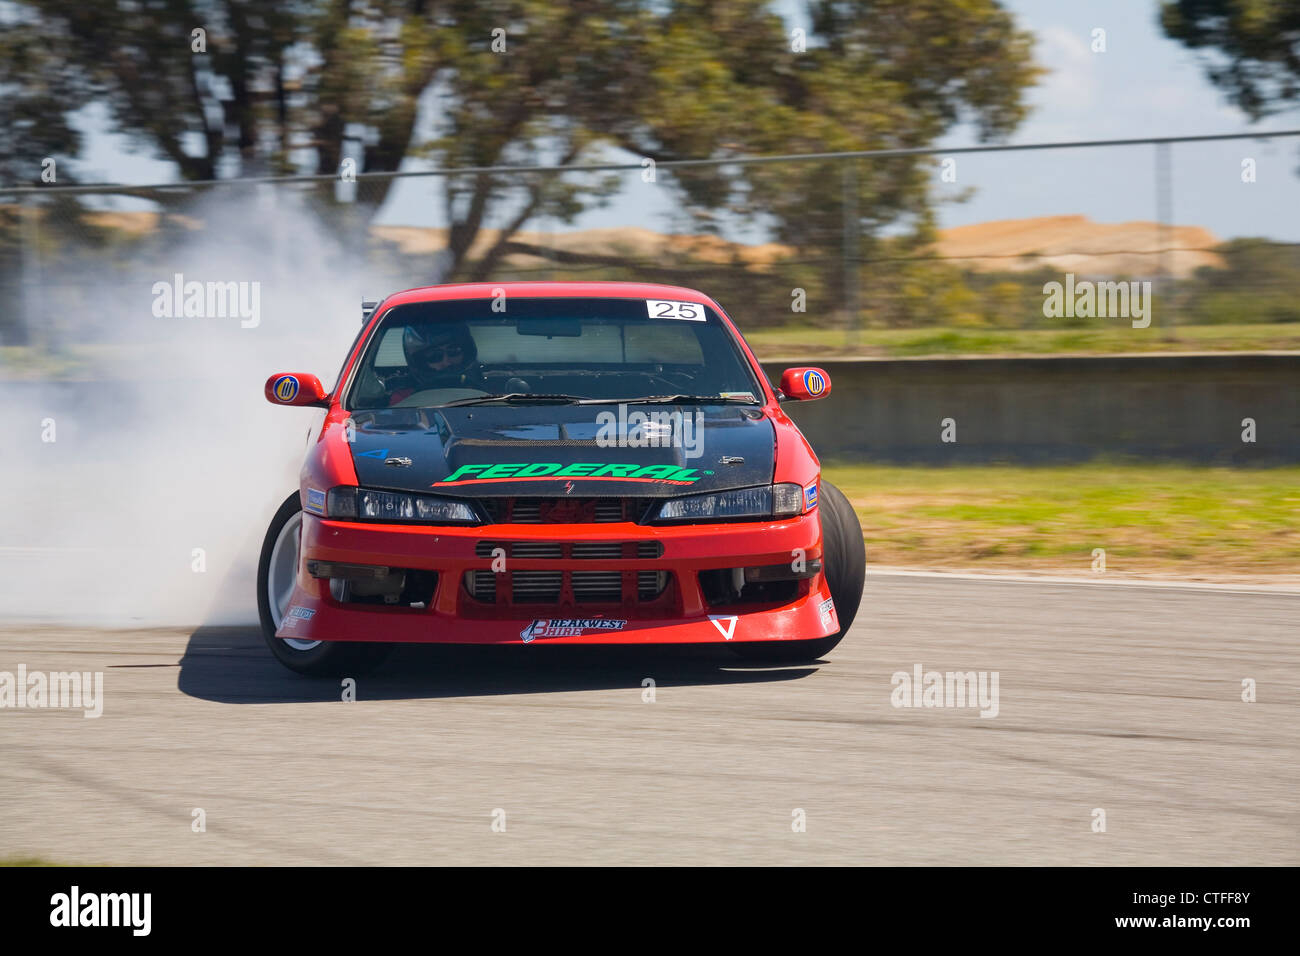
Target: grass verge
x,y
809,344
1150,519
25,861
805,343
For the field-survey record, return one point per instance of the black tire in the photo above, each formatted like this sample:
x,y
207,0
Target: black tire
x,y
327,658
844,561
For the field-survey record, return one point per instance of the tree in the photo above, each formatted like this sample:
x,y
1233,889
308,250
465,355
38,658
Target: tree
x,y
34,102
1258,40
876,74
466,83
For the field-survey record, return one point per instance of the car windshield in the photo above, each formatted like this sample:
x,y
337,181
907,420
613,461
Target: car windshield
x,y
465,351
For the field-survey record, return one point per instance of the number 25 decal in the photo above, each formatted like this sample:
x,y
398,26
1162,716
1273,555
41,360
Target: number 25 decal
x,y
664,309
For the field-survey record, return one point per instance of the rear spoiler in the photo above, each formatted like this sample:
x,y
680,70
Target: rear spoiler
x,y
367,310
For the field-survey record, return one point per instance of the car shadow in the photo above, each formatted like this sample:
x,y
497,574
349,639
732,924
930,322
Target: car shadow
x,y
231,665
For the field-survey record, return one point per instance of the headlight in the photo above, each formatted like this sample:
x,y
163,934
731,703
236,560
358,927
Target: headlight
x,y
367,505
774,501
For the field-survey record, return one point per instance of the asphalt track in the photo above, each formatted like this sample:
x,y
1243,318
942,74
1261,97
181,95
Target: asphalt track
x,y
1125,699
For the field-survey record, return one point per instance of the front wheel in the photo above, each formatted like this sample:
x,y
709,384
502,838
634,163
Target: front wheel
x,y
277,570
844,562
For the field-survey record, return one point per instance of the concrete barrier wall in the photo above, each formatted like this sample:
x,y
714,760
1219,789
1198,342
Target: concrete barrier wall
x,y
1182,407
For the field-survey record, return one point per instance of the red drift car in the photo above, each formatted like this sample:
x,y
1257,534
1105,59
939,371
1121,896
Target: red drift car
x,y
558,463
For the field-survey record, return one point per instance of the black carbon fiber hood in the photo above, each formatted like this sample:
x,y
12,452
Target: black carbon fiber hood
x,y
550,450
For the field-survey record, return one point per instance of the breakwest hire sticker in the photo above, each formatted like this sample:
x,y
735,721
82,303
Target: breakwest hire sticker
x,y
296,614
827,610
569,627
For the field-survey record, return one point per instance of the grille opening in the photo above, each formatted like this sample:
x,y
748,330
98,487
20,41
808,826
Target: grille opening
x,y
536,587
597,586
719,589
597,550
563,510
401,587
650,584
550,550
482,585
547,587
579,551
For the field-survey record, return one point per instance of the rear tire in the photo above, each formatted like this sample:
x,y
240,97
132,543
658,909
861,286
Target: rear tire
x,y
844,562
276,570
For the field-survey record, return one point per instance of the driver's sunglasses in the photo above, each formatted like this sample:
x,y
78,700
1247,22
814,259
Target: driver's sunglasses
x,y
436,353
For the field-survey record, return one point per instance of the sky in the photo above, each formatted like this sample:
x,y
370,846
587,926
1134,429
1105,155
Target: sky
x,y
1142,85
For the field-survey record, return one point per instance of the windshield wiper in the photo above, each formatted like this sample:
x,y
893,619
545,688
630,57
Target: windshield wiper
x,y
513,397
670,399
561,399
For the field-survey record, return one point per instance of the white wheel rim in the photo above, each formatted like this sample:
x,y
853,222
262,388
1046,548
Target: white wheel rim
x,y
281,575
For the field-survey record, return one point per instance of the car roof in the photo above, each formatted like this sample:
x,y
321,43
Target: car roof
x,y
550,290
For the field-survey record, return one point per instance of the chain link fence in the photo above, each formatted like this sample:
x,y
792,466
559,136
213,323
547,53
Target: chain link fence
x,y
835,245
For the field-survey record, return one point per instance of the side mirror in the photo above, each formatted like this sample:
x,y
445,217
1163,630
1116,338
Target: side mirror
x,y
291,388
805,384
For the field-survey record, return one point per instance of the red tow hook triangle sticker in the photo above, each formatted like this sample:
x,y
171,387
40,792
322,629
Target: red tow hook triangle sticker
x,y
729,629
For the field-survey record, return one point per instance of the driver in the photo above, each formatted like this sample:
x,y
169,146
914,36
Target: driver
x,y
438,355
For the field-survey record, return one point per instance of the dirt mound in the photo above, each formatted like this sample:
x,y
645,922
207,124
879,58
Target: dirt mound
x,y
1079,245
1063,243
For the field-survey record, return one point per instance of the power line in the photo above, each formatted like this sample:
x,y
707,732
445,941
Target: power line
x,y
665,164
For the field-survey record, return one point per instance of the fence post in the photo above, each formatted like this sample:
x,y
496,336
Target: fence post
x,y
1164,217
34,330
850,253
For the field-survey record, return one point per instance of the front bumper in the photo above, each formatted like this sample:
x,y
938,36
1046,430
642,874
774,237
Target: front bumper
x,y
684,613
